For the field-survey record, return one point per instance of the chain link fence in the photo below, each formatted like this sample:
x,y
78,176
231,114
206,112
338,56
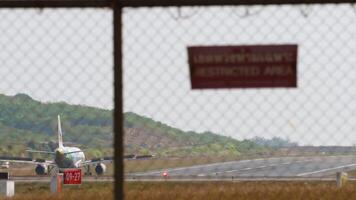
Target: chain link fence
x,y
56,62
305,131
58,55
60,62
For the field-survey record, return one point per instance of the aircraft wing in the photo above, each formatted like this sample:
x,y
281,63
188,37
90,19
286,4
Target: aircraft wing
x,y
97,161
137,157
22,160
111,159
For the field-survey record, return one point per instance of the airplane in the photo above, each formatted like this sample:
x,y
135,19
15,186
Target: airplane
x,y
4,165
65,157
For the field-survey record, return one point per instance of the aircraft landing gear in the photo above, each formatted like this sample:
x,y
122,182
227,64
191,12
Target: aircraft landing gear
x,y
87,170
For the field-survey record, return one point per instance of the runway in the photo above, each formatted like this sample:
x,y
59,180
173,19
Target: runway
x,y
321,168
313,167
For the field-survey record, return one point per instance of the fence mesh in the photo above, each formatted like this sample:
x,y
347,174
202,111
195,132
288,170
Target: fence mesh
x,y
59,62
55,62
305,131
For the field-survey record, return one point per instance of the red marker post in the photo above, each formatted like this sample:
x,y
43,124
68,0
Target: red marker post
x,y
56,183
72,176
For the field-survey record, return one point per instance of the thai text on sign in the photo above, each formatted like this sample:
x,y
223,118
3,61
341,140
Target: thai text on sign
x,y
243,66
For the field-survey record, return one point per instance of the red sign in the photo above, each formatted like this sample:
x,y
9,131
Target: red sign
x,y
72,176
252,66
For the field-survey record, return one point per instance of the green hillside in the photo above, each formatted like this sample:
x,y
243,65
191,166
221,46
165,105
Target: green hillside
x,y
26,123
167,140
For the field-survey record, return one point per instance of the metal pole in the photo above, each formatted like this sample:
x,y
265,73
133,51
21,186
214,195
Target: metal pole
x,y
118,98
55,3
179,3
155,3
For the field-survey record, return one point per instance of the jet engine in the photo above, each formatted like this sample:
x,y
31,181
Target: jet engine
x,y
41,169
100,169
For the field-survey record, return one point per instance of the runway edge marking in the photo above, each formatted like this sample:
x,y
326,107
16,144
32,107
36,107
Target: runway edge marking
x,y
325,170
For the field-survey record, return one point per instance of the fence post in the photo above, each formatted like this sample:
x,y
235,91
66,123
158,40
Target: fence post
x,y
7,187
341,179
56,183
118,101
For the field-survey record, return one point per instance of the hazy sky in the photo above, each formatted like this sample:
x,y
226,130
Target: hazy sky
x,y
66,55
57,55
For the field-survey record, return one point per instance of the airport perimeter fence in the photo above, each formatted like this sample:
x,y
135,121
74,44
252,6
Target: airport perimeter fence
x,y
182,126
204,131
136,52
55,61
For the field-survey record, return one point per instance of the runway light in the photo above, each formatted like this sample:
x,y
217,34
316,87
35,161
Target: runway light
x,y
165,174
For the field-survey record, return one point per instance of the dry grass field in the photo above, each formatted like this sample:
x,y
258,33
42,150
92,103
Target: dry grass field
x,y
240,191
194,191
165,163
41,191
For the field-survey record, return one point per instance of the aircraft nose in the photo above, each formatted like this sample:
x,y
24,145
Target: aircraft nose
x,y
59,153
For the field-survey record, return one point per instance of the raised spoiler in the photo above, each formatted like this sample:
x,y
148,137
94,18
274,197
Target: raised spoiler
x,y
96,161
144,156
133,157
102,159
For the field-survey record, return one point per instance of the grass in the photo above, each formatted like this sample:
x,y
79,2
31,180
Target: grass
x,y
352,173
241,191
41,191
193,191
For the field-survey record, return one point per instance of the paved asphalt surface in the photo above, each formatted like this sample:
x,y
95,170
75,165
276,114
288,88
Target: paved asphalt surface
x,y
282,167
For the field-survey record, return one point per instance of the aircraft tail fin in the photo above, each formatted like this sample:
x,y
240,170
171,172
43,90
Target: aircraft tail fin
x,y
60,134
